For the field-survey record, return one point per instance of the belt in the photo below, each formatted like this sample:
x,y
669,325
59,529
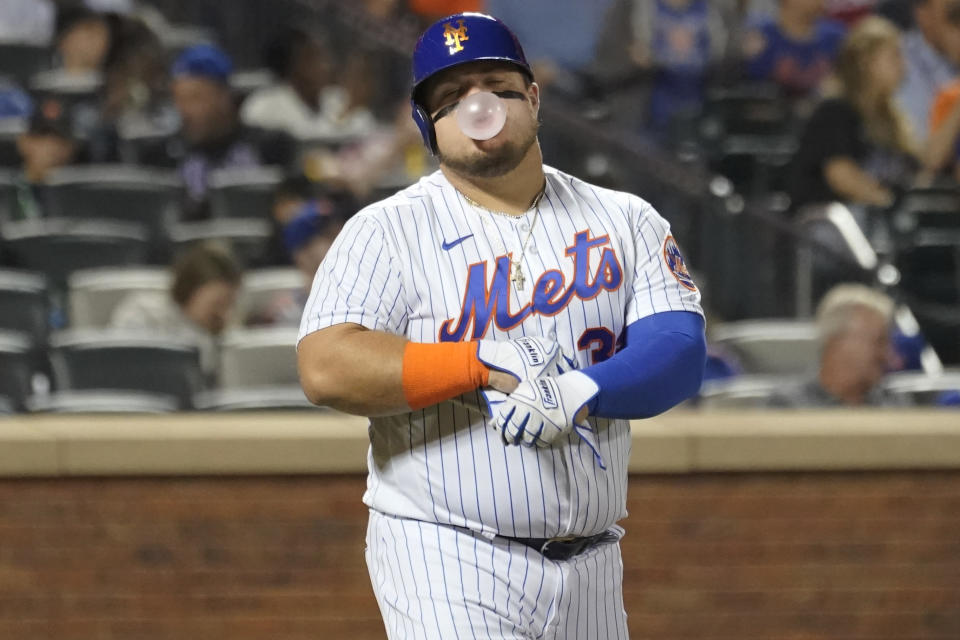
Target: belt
x,y
565,548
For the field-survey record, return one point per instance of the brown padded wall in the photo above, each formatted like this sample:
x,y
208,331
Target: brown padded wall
x,y
784,556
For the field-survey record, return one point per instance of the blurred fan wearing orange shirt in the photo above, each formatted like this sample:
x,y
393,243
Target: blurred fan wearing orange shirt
x,y
433,9
944,146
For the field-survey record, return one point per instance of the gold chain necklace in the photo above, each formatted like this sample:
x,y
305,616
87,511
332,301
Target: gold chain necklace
x,y
516,266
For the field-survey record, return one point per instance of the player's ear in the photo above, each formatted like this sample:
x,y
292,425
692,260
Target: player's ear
x,y
534,97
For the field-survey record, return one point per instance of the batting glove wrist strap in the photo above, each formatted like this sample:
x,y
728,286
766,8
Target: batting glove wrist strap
x,y
524,358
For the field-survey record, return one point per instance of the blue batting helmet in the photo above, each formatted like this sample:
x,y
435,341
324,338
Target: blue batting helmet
x,y
455,40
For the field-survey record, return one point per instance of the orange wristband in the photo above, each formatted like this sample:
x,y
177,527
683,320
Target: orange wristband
x,y
436,372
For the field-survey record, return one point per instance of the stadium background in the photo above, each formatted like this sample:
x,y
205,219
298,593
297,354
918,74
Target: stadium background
x,y
191,511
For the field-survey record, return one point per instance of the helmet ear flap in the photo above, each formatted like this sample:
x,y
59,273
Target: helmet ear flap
x,y
422,118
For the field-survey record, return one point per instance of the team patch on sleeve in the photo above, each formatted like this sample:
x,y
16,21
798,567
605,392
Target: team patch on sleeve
x,y
674,260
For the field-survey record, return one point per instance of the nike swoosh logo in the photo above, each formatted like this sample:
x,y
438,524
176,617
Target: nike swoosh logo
x,y
450,245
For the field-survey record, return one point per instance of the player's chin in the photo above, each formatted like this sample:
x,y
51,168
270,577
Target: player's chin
x,y
493,144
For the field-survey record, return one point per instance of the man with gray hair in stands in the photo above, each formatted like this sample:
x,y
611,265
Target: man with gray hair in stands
x,y
853,326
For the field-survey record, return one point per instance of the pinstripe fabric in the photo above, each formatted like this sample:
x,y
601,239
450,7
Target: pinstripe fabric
x,y
388,271
438,582
427,265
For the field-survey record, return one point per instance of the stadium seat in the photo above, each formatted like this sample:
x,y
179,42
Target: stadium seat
x,y
65,87
267,398
755,164
147,145
243,192
332,142
257,357
21,61
926,233
58,247
770,346
247,81
102,402
16,367
752,109
10,130
748,134
742,392
922,388
151,197
921,212
261,286
926,225
176,37
24,304
95,293
8,194
247,238
129,360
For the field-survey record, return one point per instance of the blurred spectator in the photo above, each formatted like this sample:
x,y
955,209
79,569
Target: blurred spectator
x,y
27,21
794,49
350,101
199,305
432,10
850,11
899,12
560,50
932,52
14,101
677,41
949,398
307,238
83,39
290,198
857,146
135,71
309,234
721,362
853,326
388,158
755,7
212,134
381,9
908,350
113,6
943,150
48,144
135,94
374,30
306,103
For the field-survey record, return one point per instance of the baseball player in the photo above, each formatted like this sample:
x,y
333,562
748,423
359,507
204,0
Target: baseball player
x,y
499,321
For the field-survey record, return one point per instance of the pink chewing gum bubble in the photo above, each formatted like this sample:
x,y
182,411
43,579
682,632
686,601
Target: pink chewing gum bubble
x,y
481,116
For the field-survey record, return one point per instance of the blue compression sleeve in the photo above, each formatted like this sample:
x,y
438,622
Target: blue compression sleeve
x,y
660,367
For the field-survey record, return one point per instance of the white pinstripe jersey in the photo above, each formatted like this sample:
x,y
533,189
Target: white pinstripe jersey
x,y
427,265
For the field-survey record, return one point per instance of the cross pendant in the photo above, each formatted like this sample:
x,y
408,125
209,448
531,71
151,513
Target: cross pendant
x,y
518,278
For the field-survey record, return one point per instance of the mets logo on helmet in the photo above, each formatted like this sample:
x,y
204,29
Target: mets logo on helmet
x,y
674,260
454,36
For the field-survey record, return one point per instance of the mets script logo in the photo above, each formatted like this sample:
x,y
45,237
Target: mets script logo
x,y
484,303
674,260
455,36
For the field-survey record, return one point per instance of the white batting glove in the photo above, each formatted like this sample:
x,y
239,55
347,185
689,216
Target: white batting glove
x,y
524,358
540,411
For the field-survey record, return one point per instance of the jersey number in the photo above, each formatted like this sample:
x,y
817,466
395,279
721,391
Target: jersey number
x,y
600,342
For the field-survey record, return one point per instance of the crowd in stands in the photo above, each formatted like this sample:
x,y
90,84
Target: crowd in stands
x,y
871,91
